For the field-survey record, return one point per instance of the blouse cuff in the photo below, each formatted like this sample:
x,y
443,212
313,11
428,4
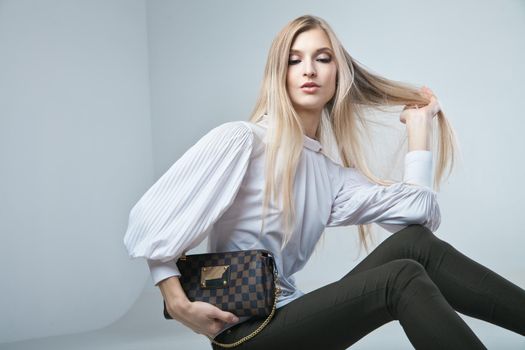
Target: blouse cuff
x,y
418,168
161,270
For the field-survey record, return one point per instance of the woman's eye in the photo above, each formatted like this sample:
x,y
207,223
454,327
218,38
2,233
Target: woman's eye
x,y
324,60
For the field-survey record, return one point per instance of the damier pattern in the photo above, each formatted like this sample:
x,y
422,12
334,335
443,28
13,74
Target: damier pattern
x,y
250,290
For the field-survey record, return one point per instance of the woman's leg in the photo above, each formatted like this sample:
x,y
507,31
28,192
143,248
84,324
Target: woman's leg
x,y
468,286
339,314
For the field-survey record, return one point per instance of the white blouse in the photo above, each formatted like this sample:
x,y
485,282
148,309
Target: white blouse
x,y
215,190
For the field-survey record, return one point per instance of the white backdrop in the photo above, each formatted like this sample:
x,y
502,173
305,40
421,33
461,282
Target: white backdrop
x,y
75,151
99,98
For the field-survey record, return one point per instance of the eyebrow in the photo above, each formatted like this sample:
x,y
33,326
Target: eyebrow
x,y
316,51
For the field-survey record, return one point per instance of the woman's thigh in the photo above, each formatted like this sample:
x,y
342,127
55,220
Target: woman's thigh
x,y
415,242
332,317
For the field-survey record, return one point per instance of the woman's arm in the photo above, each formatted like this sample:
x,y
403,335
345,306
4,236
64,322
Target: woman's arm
x,y
419,134
360,201
419,122
176,212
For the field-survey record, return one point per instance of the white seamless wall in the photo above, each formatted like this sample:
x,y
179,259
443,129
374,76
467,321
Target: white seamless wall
x,y
75,152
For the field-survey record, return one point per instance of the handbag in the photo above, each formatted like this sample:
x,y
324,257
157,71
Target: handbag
x,y
243,282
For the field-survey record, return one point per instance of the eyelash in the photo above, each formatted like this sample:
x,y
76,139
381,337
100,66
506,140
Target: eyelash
x,y
324,60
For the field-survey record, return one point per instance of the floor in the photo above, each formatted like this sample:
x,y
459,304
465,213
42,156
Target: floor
x,y
144,327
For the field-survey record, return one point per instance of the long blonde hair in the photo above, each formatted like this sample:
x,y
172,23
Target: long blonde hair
x,y
344,118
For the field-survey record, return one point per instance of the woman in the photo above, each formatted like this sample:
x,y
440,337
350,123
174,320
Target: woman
x,y
297,167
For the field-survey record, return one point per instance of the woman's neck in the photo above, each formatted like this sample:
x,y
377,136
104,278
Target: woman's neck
x,y
310,121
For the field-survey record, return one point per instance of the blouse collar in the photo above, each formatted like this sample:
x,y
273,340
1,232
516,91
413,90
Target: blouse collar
x,y
312,144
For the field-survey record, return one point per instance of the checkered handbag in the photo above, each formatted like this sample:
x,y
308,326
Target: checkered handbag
x,y
241,282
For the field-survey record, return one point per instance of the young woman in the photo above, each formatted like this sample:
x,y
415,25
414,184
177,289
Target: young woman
x,y
297,167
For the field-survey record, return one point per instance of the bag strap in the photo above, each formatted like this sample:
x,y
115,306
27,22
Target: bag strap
x,y
261,327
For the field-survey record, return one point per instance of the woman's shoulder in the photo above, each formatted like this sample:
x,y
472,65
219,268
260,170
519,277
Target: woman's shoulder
x,y
236,132
233,127
237,136
254,131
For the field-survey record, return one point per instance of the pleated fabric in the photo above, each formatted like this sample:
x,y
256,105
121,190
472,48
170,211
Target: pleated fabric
x,y
174,214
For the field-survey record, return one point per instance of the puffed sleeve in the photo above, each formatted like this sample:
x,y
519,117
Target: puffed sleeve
x,y
393,207
174,214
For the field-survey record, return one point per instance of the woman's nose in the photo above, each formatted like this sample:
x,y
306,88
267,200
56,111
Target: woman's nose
x,y
309,69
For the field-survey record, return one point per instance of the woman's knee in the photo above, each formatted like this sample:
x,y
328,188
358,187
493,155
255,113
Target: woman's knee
x,y
409,278
405,268
417,231
423,237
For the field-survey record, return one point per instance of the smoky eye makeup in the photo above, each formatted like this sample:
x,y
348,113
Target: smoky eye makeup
x,y
323,58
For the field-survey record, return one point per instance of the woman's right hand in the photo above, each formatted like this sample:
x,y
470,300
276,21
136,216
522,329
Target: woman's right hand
x,y
423,114
201,317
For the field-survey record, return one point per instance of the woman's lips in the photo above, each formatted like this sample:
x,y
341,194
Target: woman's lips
x,y
310,89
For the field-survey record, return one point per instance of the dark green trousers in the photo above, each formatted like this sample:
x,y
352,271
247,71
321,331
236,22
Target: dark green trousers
x,y
413,277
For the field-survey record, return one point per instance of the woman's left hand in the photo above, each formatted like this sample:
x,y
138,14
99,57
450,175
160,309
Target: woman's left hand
x,y
424,114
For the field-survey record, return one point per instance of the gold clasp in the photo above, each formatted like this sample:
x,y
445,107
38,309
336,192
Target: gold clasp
x,y
215,276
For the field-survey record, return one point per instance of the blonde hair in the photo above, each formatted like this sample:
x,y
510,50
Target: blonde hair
x,y
343,118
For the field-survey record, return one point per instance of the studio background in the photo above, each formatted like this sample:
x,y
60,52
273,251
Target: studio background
x,y
99,98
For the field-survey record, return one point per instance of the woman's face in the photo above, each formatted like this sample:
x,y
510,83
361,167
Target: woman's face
x,y
311,60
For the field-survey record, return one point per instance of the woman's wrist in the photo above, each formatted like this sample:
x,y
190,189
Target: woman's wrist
x,y
419,134
174,295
